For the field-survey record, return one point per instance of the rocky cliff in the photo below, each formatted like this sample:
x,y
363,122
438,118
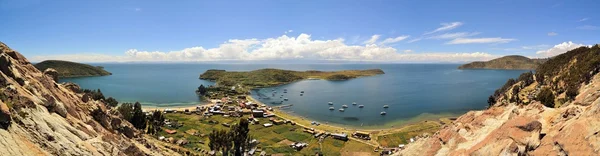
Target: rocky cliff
x,y
555,111
41,117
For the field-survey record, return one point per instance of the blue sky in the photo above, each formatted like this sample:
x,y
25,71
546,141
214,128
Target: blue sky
x,y
145,30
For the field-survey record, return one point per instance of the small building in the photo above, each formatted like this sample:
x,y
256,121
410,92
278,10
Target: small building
x,y
268,125
362,135
340,136
169,110
170,131
278,122
258,113
401,146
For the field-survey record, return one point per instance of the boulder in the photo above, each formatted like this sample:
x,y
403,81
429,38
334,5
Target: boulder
x,y
72,86
60,109
52,73
128,131
86,97
116,123
4,115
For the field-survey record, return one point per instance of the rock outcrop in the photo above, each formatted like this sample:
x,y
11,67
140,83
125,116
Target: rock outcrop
x,y
41,117
517,123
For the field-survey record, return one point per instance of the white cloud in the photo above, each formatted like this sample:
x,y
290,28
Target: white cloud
x,y
394,40
584,19
137,9
558,49
283,47
531,47
588,27
480,40
289,31
415,40
454,35
408,51
373,39
552,34
445,27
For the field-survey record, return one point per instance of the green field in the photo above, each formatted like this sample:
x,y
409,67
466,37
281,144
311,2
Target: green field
x,y
273,140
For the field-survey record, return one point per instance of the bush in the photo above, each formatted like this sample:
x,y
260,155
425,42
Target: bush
x,y
126,109
546,97
112,102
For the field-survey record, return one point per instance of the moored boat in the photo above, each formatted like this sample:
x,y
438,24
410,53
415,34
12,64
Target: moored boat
x,y
383,113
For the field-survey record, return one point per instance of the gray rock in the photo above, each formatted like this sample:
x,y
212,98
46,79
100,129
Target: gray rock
x,y
52,73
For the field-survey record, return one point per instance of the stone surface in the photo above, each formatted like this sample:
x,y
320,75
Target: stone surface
x,y
52,73
50,119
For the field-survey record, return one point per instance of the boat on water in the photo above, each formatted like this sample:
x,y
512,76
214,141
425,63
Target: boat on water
x,y
330,103
353,103
361,106
285,99
341,109
331,108
301,91
301,94
383,113
344,106
385,106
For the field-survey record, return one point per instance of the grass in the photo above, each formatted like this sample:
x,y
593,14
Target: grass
x,y
403,135
269,137
273,77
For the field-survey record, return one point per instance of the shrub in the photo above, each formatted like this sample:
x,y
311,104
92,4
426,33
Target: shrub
x,y
112,102
546,97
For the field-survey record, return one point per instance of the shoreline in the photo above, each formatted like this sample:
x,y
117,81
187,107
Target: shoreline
x,y
391,126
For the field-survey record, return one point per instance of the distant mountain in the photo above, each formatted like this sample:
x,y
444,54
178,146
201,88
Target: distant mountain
x,y
71,69
506,62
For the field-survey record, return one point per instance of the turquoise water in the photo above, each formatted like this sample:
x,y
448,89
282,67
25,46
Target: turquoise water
x,y
410,90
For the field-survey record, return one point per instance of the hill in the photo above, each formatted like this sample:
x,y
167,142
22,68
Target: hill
x,y
39,116
552,112
71,69
273,77
506,62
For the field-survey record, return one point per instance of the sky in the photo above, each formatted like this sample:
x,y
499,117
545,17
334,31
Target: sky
x,y
391,31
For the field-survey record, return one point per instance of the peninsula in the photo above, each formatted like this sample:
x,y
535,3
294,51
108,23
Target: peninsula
x,y
516,62
72,69
272,77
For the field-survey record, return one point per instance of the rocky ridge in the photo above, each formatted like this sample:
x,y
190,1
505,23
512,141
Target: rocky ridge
x,y
38,116
517,123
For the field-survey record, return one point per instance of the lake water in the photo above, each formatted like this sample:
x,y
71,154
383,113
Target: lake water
x,y
412,91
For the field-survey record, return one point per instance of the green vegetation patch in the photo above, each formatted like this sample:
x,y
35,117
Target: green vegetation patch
x,y
72,69
273,77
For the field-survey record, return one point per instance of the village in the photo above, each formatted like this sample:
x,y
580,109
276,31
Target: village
x,y
272,132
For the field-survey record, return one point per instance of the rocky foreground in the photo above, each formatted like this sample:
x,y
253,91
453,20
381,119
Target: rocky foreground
x,y
517,123
41,117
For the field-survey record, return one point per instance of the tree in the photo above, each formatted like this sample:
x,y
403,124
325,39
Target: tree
x,y
112,102
139,118
126,109
237,138
240,136
97,95
202,90
156,121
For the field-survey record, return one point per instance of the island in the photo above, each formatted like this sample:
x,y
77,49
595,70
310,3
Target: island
x,y
273,77
512,62
72,69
